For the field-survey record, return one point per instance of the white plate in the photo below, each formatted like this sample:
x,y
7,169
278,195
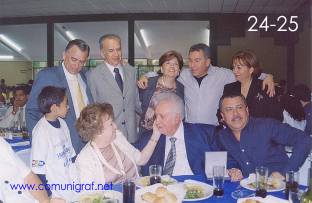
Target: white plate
x,y
176,189
208,189
144,181
107,193
268,199
245,183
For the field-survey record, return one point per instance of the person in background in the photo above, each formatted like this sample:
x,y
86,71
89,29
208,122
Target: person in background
x,y
293,111
14,171
246,68
52,150
182,146
171,64
69,75
16,113
254,142
203,85
3,86
108,157
303,93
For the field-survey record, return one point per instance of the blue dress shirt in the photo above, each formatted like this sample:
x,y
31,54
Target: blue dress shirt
x,y
262,143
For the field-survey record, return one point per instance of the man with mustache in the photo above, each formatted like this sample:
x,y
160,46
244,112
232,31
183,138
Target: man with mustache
x,y
253,142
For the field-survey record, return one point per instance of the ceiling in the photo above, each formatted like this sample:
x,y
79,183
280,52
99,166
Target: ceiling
x,y
161,35
22,8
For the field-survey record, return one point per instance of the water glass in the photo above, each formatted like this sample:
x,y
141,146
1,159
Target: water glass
x,y
155,174
292,178
218,180
128,190
261,181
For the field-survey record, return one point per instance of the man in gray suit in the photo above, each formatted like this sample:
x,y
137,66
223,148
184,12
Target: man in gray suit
x,y
115,83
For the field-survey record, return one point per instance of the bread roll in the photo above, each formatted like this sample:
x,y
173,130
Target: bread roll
x,y
160,200
148,196
161,191
251,201
171,198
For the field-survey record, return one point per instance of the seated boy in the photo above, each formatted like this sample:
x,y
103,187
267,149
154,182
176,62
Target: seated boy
x,y
52,150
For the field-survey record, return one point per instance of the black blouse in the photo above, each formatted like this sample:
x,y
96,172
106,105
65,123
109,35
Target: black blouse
x,y
259,103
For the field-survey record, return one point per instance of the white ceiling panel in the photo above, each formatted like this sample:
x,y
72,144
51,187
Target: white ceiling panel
x,y
20,8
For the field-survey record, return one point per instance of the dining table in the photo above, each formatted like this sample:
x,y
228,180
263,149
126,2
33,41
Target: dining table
x,y
229,187
21,146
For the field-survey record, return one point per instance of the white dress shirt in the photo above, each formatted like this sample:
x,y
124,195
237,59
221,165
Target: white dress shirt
x,y
9,119
111,69
72,84
182,166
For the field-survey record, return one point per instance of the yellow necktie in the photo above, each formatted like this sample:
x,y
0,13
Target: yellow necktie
x,y
80,101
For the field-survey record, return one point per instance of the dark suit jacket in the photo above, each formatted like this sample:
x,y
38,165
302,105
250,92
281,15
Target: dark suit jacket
x,y
54,76
146,95
199,138
259,103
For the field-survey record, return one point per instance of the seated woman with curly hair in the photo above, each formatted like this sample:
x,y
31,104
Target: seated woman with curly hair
x,y
108,156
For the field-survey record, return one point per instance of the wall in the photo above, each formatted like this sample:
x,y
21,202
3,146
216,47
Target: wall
x,y
303,73
15,72
272,57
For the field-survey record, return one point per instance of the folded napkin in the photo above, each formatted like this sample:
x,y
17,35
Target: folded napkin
x,y
268,199
24,143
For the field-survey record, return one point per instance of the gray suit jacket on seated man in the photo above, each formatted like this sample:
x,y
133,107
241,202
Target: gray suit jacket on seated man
x,y
105,88
70,76
187,155
254,142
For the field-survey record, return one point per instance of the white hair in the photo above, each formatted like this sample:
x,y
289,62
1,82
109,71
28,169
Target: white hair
x,y
174,99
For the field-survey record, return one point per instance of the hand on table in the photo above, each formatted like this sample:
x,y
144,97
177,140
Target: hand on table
x,y
235,174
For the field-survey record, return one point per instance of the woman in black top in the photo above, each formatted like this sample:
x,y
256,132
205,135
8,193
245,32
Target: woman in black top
x,y
246,69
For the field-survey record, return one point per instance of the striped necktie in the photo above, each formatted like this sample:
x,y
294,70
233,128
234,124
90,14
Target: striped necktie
x,y
171,158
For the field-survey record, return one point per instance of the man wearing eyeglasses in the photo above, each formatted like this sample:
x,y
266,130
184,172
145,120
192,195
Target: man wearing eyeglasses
x,y
69,75
253,142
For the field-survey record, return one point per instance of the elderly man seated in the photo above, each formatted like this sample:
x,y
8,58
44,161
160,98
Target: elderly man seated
x,y
16,113
254,142
182,146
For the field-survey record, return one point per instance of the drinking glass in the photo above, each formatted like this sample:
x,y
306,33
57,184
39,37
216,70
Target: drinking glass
x,y
292,178
218,180
155,174
261,181
128,190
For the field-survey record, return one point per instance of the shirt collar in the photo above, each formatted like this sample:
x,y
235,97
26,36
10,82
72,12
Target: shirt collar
x,y
179,134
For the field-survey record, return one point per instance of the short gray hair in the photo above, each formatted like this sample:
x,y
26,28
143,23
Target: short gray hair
x,y
108,36
172,98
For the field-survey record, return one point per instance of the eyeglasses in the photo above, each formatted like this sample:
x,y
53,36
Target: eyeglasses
x,y
232,109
